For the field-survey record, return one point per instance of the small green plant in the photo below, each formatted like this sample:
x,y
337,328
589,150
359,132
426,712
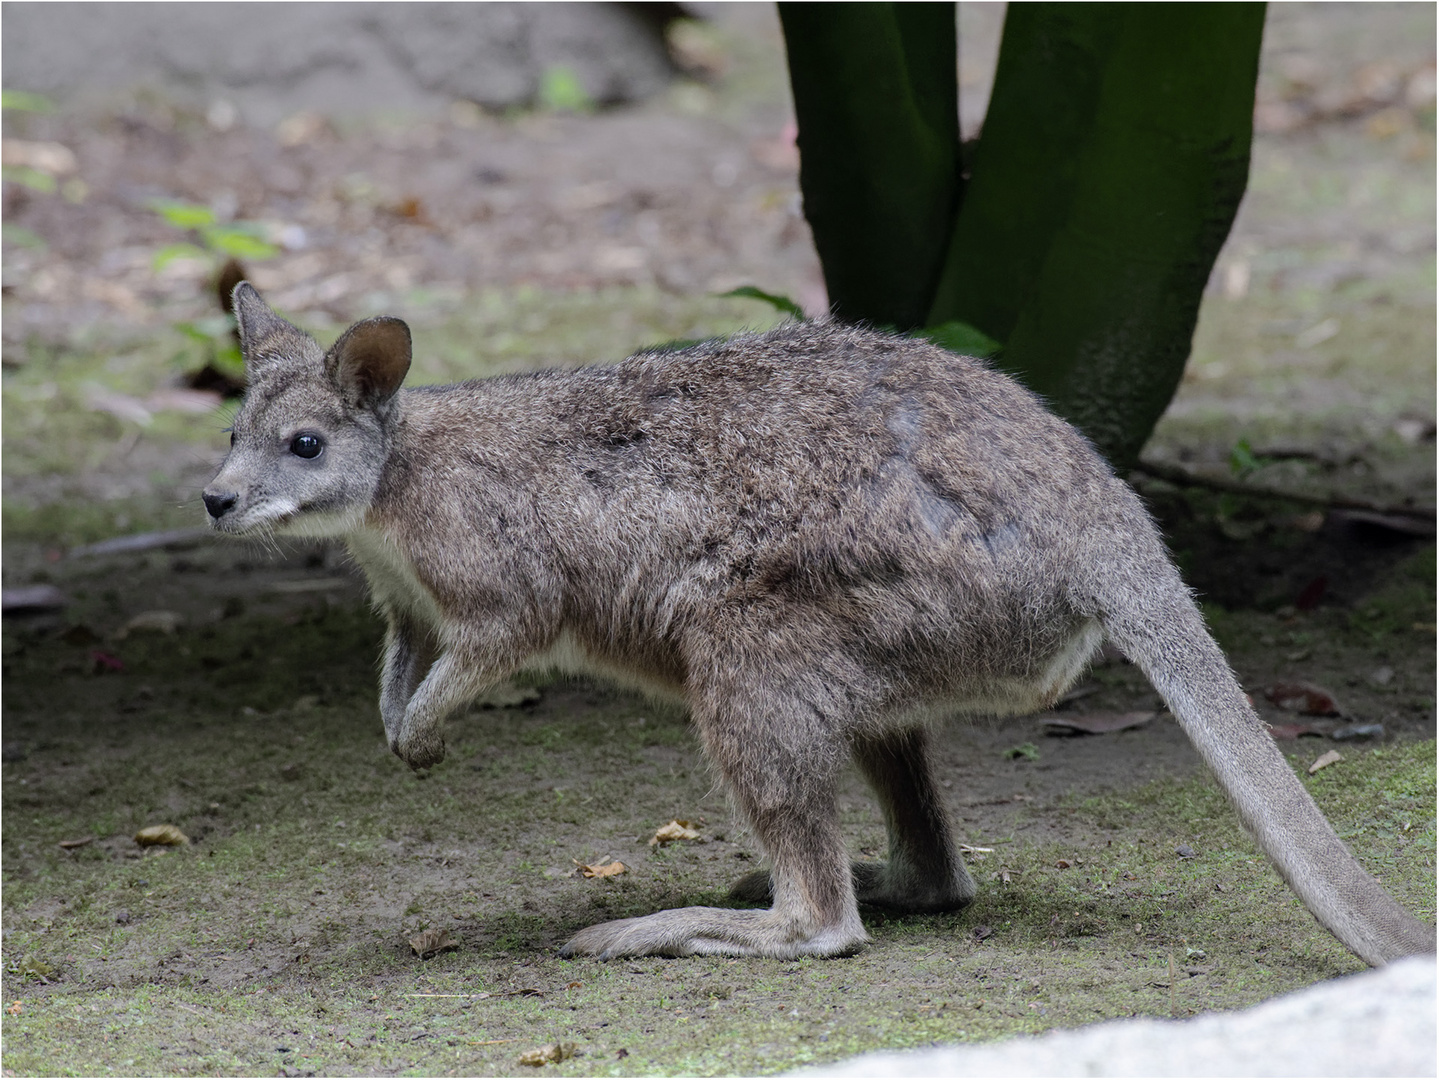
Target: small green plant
x,y
956,336
216,243
20,237
29,177
41,179
562,91
960,337
235,240
1024,751
775,300
25,101
1243,460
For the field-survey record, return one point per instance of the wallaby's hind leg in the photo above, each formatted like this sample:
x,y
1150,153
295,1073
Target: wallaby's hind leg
x,y
924,871
785,791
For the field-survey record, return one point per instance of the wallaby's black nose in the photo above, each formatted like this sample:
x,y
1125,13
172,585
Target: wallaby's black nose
x,y
219,503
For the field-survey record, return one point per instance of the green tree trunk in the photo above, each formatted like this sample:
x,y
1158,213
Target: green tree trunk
x,y
1113,158
878,109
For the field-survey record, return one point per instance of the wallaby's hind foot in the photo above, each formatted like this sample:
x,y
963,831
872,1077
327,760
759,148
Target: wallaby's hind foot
x,y
704,930
873,887
786,793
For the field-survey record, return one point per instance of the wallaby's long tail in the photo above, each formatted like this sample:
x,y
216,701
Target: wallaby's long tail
x,y
1152,618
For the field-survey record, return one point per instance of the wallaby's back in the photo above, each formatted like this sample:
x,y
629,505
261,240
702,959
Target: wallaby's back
x,y
924,508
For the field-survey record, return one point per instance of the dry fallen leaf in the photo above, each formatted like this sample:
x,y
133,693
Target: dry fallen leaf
x,y
71,844
545,1055
1292,731
1324,760
15,1008
160,834
1302,698
610,869
675,830
428,942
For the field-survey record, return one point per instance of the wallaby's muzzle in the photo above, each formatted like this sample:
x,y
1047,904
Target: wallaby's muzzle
x,y
220,503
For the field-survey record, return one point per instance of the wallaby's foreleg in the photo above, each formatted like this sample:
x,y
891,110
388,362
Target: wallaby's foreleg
x,y
924,871
784,788
408,655
453,680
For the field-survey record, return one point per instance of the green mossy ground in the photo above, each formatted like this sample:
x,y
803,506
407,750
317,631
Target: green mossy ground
x,y
315,855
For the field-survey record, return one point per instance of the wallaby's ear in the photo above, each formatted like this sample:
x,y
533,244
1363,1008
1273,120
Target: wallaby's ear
x,y
370,360
257,324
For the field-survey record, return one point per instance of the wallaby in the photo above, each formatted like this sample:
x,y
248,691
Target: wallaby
x,y
819,539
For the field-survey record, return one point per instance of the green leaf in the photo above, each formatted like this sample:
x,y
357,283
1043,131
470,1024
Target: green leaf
x,y
561,90
229,359
1243,460
20,237
775,300
24,101
191,331
183,215
877,99
238,240
960,337
171,252
25,176
217,326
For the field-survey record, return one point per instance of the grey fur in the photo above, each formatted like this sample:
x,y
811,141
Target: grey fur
x,y
818,539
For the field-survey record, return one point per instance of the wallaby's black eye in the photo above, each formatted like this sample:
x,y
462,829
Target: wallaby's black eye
x,y
306,445
232,438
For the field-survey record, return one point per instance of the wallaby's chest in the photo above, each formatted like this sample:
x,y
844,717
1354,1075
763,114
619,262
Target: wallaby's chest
x,y
394,583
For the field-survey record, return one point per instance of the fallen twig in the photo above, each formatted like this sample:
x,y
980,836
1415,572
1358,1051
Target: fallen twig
x,y
1173,474
147,541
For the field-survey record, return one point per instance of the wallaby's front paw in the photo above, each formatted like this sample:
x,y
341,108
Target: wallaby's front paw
x,y
419,753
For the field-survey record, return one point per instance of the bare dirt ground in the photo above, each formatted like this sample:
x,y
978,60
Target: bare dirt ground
x,y
243,713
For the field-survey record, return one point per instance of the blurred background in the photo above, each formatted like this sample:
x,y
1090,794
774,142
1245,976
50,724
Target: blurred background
x,y
531,183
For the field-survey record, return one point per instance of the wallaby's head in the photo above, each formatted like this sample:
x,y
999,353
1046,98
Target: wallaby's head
x,y
309,442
